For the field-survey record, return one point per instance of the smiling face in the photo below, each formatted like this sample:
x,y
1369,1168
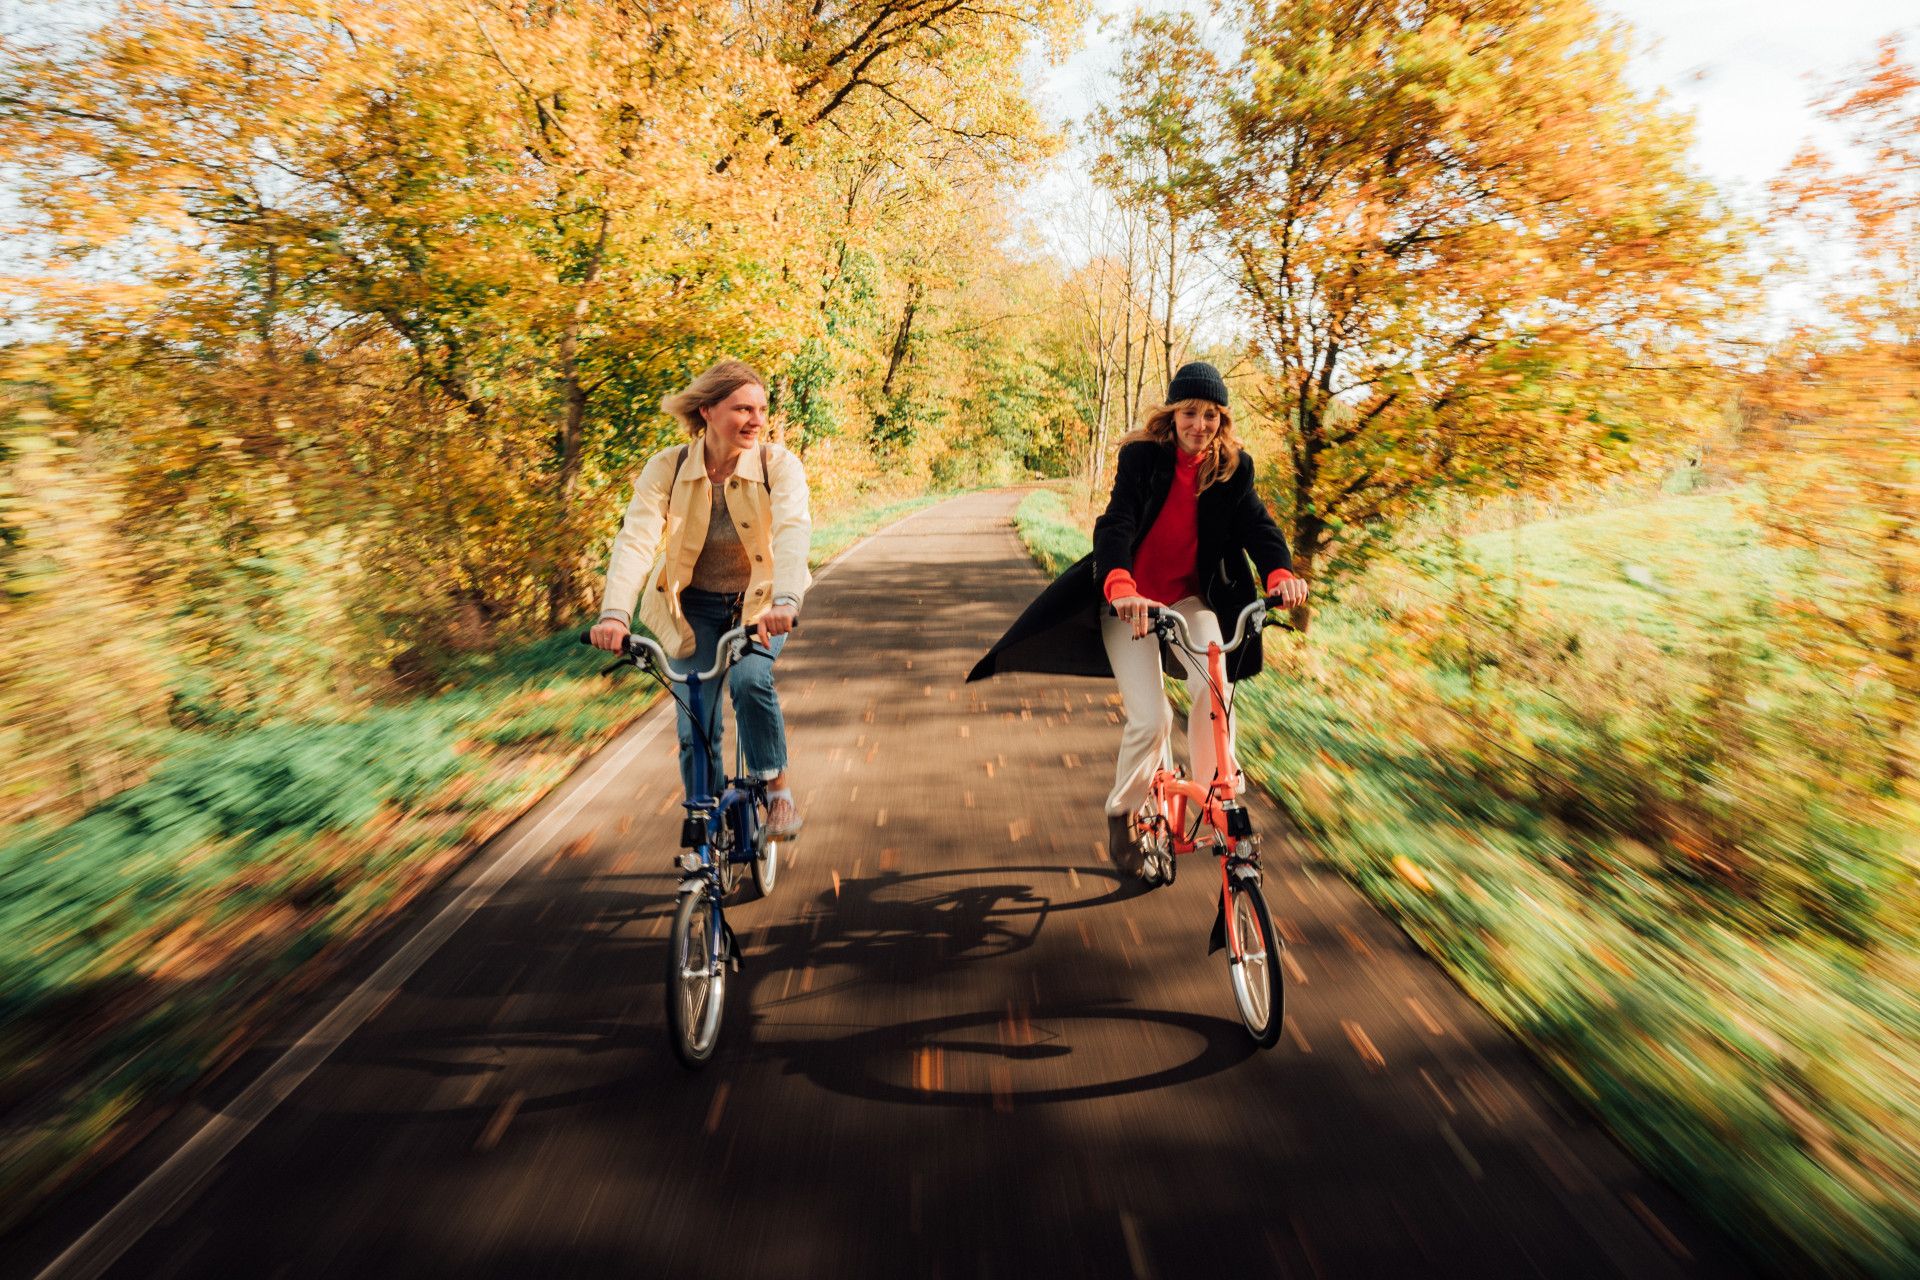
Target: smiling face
x,y
737,423
1195,424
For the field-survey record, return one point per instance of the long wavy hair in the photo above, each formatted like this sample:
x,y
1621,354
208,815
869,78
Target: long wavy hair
x,y
709,389
1223,456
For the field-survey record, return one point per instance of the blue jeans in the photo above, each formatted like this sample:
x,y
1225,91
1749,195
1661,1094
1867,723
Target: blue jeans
x,y
756,707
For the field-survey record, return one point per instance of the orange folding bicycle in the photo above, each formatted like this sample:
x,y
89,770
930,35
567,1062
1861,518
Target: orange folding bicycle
x,y
1242,925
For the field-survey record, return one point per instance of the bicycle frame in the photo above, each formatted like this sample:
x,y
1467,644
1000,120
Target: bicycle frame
x,y
734,804
704,833
1171,795
1174,793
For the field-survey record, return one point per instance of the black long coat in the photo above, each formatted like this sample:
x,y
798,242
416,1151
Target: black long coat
x,y
1059,633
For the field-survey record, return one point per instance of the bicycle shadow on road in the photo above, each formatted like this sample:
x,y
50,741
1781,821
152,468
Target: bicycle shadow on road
x,y
893,930
885,932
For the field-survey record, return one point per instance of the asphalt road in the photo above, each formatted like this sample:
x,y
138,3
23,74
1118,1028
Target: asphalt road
x,y
958,1048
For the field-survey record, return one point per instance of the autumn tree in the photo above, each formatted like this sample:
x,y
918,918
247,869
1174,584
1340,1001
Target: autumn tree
x,y
1834,417
1473,257
1144,134
458,252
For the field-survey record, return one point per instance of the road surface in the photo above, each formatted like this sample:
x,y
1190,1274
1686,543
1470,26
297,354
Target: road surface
x,y
958,1048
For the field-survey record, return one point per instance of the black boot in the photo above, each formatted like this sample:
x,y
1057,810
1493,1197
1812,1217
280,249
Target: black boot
x,y
1121,846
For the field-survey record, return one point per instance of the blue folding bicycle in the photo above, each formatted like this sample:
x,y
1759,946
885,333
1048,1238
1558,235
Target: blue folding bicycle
x,y
721,836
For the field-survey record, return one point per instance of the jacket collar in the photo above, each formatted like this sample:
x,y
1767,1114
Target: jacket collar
x,y
695,467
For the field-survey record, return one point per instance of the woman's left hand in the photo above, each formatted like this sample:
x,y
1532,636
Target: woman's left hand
x,y
1292,592
776,621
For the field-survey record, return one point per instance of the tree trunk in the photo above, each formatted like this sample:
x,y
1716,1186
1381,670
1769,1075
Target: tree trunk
x,y
1097,445
1309,525
574,394
902,339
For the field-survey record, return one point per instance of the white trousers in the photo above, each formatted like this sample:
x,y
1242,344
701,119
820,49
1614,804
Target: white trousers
x,y
1146,742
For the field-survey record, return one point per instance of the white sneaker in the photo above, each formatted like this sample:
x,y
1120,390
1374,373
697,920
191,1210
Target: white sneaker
x,y
783,820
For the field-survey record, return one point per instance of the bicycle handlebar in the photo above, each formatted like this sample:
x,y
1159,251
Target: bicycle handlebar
x,y
645,650
1175,624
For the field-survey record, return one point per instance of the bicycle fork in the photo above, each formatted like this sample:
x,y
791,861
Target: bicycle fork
x,y
1236,864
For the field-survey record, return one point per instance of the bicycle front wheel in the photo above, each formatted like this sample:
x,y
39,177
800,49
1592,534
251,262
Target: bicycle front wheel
x,y
696,980
1253,963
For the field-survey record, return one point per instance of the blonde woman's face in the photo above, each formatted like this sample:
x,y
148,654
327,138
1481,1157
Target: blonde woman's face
x,y
739,422
1196,424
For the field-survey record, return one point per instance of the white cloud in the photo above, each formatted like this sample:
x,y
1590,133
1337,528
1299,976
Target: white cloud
x,y
1748,71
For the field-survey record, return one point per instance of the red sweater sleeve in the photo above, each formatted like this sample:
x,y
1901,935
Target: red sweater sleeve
x,y
1277,577
1119,583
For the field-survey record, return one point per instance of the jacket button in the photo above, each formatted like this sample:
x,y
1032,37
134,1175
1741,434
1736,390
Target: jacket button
x,y
733,484
745,525
758,559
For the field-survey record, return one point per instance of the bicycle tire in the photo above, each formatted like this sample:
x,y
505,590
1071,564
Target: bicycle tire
x,y
722,854
696,1001
766,858
1253,968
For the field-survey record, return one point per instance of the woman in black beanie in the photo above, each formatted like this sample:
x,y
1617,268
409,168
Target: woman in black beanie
x,y
1180,524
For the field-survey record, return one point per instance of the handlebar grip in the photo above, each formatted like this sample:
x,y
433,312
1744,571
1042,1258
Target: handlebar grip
x,y
1153,611
1284,624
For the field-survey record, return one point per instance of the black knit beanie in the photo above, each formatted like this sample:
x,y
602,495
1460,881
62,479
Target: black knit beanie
x,y
1197,381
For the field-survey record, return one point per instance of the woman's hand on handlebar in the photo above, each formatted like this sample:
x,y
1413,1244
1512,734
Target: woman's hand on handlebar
x,y
776,621
1134,610
1291,593
610,634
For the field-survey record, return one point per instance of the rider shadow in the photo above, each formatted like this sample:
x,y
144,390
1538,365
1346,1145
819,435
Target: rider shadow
x,y
902,929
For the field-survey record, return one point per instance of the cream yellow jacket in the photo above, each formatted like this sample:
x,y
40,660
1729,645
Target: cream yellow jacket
x,y
660,539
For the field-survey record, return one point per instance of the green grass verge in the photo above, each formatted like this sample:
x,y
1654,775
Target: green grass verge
x,y
1629,831
834,535
144,943
1045,524
1663,569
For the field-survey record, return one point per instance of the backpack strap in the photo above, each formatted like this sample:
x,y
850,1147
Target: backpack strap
x,y
674,483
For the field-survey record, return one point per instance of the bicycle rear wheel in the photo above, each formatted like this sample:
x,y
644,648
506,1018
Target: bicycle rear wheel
x,y
696,983
766,854
1253,963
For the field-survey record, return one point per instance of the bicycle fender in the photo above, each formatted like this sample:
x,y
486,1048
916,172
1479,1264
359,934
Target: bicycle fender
x,y
692,884
732,946
1218,940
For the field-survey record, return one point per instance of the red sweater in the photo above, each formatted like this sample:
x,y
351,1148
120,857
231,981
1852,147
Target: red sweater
x,y
1166,566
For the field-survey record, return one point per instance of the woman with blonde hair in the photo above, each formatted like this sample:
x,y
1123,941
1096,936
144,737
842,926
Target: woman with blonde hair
x,y
1180,524
715,537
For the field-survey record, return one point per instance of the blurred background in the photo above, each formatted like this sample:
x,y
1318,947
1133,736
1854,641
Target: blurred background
x,y
1579,348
